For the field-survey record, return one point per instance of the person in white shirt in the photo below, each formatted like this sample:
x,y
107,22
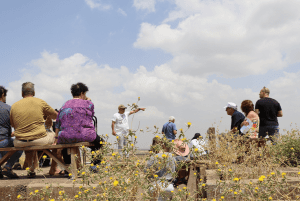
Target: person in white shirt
x,y
120,126
199,143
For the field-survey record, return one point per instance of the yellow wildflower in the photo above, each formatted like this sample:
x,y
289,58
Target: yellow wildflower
x,y
203,185
83,173
236,179
116,183
196,149
217,163
132,145
155,175
270,198
36,191
19,196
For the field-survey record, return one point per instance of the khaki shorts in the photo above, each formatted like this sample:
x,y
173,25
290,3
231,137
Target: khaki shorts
x,y
47,140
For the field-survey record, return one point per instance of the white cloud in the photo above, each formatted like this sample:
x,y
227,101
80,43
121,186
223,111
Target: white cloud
x,y
163,92
148,5
122,12
97,4
229,38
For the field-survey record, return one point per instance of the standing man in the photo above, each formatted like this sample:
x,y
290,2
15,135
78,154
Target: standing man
x,y
268,110
169,129
236,117
5,136
120,126
26,116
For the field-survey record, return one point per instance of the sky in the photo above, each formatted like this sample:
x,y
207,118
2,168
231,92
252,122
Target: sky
x,y
185,59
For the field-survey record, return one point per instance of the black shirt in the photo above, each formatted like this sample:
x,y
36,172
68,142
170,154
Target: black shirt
x,y
268,110
236,119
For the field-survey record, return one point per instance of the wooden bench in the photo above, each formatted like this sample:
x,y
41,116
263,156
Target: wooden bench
x,y
49,150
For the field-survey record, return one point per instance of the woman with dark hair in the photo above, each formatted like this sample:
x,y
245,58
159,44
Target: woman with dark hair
x,y
74,122
198,143
248,108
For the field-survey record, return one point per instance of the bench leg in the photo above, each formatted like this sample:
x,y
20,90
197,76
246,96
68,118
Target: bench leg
x,y
192,182
56,159
73,162
6,157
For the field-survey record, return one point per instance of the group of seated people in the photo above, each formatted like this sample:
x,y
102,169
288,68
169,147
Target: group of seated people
x,y
31,119
174,152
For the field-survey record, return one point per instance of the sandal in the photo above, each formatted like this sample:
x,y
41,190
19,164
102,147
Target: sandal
x,y
9,173
31,175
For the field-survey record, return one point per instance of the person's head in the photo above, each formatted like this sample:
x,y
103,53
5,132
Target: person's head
x,y
264,92
247,106
28,89
158,146
171,119
3,93
79,90
197,136
230,108
121,109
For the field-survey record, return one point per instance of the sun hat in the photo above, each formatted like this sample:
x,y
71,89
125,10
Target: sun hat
x,y
231,105
122,106
181,149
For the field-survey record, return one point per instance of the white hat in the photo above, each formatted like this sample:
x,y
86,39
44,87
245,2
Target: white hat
x,y
231,105
171,118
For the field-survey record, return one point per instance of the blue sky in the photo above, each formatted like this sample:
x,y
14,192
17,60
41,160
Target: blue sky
x,y
183,58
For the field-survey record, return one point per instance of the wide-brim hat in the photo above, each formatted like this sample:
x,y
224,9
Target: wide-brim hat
x,y
122,106
181,149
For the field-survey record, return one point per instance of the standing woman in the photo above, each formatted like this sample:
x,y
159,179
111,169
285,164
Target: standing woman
x,y
74,122
248,108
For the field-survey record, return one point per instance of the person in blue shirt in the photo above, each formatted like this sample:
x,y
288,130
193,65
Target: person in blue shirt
x,y
169,129
6,135
236,117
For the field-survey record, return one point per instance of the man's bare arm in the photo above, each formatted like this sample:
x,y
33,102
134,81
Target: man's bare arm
x,y
257,111
135,111
279,114
175,132
113,128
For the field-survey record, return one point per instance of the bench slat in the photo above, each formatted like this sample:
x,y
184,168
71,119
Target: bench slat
x,y
58,146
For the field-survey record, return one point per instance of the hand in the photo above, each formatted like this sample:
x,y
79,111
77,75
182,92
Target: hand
x,y
143,109
245,123
48,122
55,142
114,133
13,134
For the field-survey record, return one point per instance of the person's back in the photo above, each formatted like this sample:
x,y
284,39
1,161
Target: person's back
x,y
268,109
5,137
27,118
76,121
169,129
5,128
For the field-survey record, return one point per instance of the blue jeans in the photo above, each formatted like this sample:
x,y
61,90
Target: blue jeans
x,y
9,142
271,131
